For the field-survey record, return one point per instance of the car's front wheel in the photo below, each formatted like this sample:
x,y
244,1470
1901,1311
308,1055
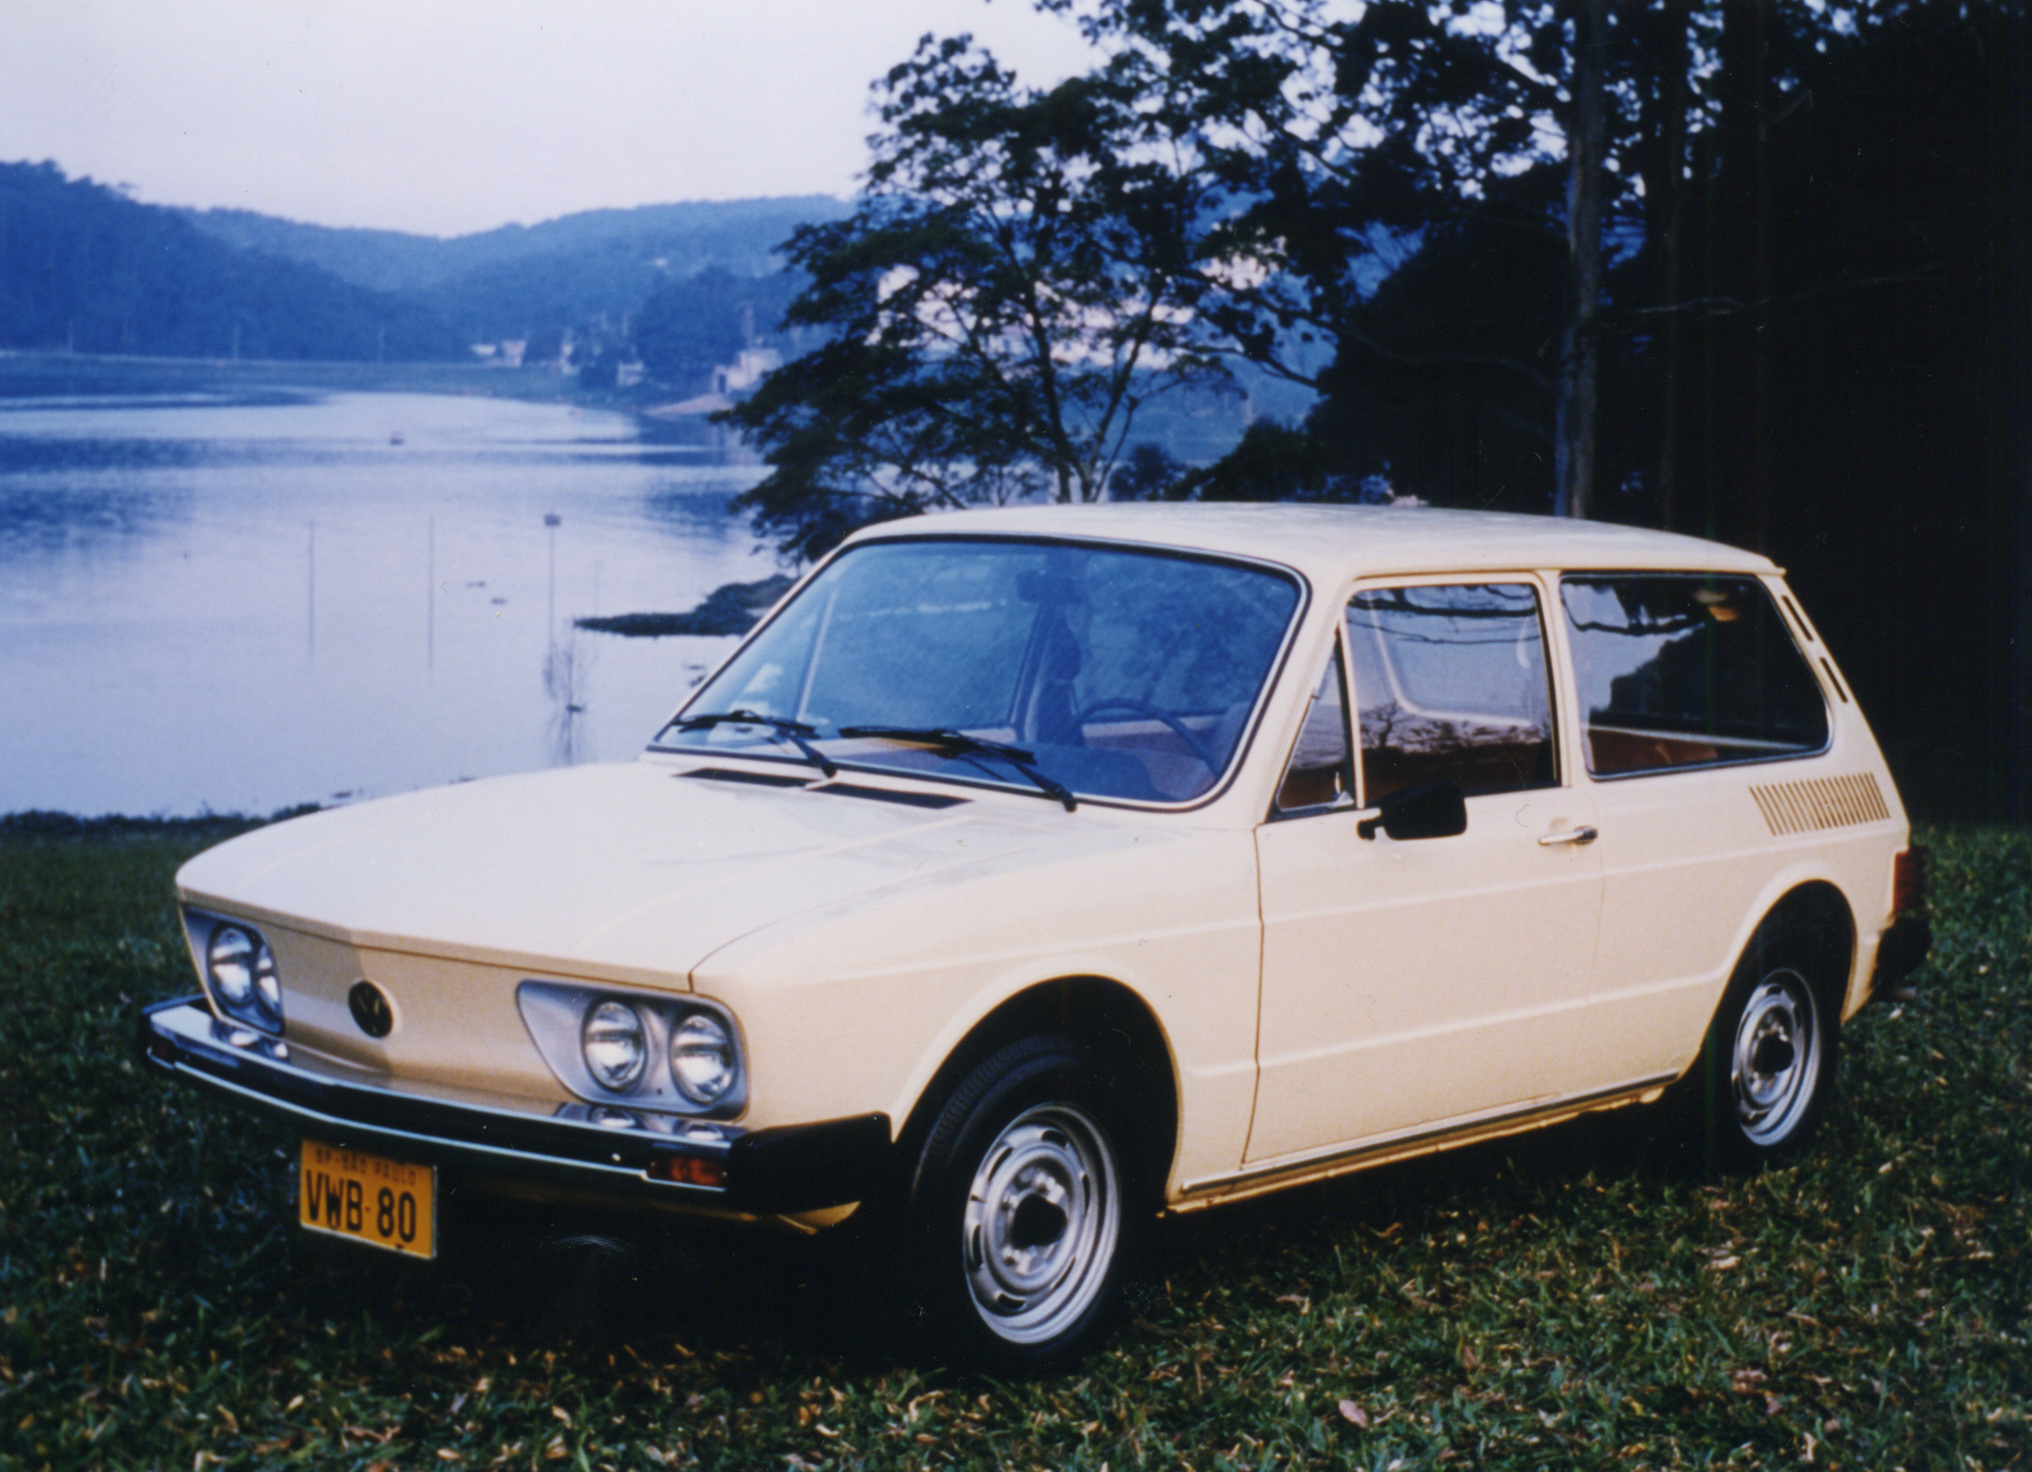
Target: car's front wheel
x,y
1770,1053
1029,1195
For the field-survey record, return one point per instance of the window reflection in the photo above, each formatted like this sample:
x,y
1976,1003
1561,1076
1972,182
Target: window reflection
x,y
1451,683
1678,670
1126,674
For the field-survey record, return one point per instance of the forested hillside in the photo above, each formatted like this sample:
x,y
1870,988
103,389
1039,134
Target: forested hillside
x,y
531,281
85,269
82,267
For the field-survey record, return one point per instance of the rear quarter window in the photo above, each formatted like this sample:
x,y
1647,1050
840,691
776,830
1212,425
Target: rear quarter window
x,y
1678,670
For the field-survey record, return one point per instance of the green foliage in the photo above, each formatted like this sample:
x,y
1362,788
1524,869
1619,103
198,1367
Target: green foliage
x,y
83,268
738,236
1342,136
1148,473
1016,280
1567,1299
687,328
1272,462
598,274
1812,324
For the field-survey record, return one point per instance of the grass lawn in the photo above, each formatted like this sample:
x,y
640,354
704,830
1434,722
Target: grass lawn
x,y
1581,1297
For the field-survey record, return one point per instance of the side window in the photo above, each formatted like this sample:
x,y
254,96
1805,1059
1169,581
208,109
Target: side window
x,y
1679,670
1450,682
1320,774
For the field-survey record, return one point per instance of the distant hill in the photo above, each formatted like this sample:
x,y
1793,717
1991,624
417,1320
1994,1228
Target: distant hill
x,y
85,268
525,281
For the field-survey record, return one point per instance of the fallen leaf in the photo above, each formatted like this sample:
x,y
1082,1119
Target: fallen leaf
x,y
1354,1413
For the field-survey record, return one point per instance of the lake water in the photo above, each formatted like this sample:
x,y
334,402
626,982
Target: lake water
x,y
241,606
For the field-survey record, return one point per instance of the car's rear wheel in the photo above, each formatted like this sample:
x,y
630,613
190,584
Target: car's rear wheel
x,y
1029,1196
1769,1061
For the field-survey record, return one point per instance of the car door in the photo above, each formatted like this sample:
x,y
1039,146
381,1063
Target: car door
x,y
1699,717
1410,982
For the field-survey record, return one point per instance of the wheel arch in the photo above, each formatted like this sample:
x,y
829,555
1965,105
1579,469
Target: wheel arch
x,y
1812,927
1094,1011
1820,915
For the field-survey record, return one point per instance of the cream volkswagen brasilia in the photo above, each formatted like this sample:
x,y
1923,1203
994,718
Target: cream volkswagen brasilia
x,y
1030,872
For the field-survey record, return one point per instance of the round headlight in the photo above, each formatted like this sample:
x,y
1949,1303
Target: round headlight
x,y
230,959
702,1058
615,1046
267,985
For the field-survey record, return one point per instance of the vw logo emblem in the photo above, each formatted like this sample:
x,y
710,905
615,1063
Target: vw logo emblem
x,y
370,1009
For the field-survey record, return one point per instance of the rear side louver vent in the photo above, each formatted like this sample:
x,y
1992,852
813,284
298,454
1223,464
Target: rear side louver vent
x,y
1824,802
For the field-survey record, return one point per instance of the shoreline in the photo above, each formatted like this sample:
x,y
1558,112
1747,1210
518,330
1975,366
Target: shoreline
x,y
731,608
29,374
45,825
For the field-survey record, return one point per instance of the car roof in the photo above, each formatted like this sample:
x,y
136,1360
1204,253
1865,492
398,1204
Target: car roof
x,y
1330,543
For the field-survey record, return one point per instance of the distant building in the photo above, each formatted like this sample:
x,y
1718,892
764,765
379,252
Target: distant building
x,y
746,371
499,354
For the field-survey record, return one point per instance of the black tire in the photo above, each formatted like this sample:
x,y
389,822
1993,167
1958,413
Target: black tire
x,y
1767,1071
1029,1197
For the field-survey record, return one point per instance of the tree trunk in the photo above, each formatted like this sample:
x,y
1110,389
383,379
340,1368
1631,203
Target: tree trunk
x,y
1668,180
1739,404
1580,344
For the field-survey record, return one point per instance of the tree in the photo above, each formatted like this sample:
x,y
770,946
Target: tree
x,y
1354,138
1019,275
687,328
1147,473
85,268
1809,324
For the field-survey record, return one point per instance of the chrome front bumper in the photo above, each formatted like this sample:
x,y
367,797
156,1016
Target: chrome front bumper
x,y
616,1152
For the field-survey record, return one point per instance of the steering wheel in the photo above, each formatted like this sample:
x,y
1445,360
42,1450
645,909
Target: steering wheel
x,y
1143,708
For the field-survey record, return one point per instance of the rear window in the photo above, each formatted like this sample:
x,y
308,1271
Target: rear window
x,y
1678,670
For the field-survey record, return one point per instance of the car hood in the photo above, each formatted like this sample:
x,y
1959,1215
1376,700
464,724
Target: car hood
x,y
630,872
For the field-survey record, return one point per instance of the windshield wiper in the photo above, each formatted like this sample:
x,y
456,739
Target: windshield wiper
x,y
797,733
948,742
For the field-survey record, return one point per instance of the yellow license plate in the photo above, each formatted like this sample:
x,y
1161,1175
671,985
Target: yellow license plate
x,y
369,1198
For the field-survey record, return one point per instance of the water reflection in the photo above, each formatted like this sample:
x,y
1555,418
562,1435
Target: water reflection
x,y
48,454
565,671
163,558
42,520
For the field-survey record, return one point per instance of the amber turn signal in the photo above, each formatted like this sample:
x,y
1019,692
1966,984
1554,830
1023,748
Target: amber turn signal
x,y
688,1170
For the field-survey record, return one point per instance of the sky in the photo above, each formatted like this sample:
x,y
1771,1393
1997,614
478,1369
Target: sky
x,y
449,116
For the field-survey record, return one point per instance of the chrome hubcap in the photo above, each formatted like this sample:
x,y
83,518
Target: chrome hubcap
x,y
1042,1220
1775,1063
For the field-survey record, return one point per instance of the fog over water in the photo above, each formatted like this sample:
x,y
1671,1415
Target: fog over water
x,y
245,605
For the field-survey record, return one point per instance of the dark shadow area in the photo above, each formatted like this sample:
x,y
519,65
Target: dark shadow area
x,y
557,1277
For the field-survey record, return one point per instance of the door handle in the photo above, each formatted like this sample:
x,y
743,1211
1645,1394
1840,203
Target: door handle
x,y
1573,836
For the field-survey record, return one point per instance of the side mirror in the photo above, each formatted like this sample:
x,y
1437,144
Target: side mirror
x,y
1429,810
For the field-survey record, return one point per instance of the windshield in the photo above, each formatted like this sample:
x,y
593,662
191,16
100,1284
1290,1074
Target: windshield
x,y
1111,673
